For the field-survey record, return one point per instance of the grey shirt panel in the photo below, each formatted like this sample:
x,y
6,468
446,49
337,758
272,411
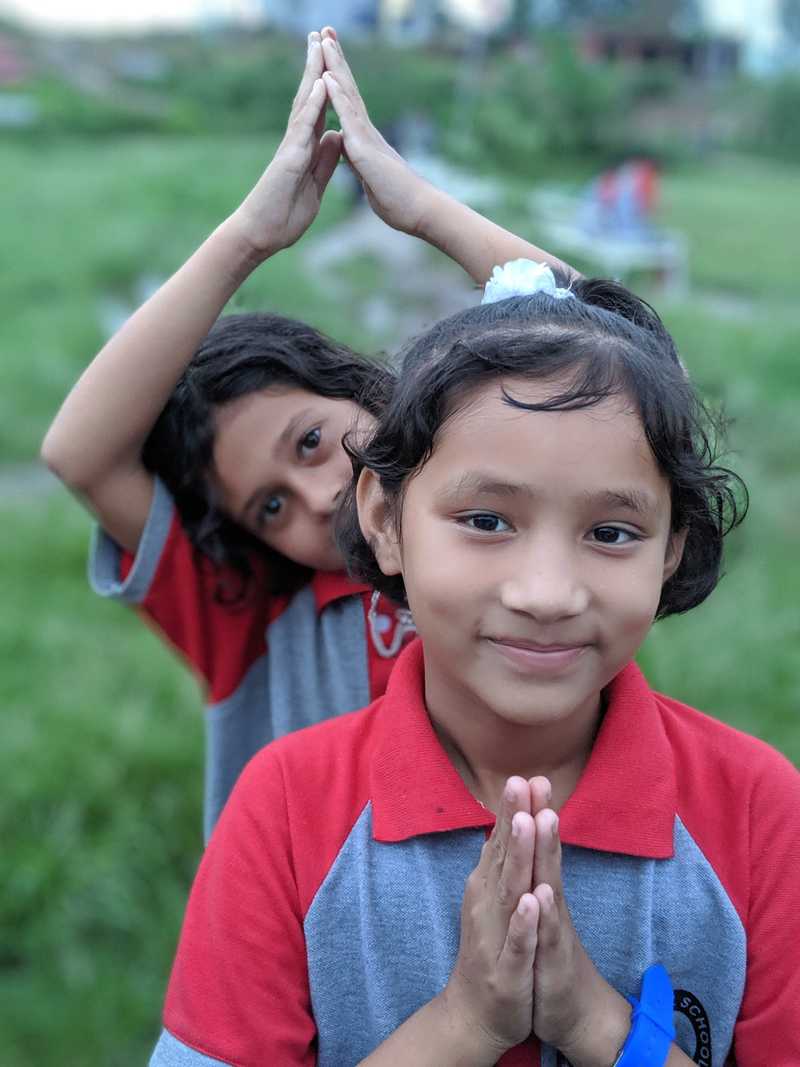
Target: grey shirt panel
x,y
382,933
170,1052
315,668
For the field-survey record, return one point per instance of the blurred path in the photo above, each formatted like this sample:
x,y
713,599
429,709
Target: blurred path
x,y
413,285
22,481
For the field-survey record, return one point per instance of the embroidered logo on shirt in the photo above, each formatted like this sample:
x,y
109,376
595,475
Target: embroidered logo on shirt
x,y
687,1004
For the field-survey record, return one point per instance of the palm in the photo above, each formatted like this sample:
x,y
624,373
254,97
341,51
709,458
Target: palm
x,y
392,188
292,199
286,199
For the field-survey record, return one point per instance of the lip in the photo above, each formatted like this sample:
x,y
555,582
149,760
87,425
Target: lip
x,y
532,658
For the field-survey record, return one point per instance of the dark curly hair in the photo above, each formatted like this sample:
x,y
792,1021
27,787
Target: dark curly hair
x,y
240,355
602,342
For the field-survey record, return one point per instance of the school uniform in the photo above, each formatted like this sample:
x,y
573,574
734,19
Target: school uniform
x,y
326,908
269,666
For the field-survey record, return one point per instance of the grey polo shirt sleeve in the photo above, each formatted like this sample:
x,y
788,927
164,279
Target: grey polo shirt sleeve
x,y
105,555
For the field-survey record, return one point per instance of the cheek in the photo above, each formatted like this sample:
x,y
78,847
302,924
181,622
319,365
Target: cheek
x,y
441,589
633,595
300,542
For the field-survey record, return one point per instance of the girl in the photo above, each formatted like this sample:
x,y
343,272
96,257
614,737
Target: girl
x,y
539,488
213,460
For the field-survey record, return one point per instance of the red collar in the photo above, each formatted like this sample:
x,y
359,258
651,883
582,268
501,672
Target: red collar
x,y
625,801
334,585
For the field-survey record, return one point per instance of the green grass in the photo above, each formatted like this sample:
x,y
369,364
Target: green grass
x,y
741,218
100,822
736,655
102,749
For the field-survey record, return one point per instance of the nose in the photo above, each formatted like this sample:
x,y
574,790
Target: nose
x,y
318,494
547,583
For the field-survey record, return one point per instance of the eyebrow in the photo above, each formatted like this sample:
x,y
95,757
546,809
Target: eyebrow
x,y
638,501
290,430
476,482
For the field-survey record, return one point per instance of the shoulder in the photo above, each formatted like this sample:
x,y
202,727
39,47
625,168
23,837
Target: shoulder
x,y
719,756
737,796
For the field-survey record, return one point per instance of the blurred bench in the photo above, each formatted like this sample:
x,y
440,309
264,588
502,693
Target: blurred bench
x,y
659,253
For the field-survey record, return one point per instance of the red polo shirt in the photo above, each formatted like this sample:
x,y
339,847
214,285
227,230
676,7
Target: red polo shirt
x,y
326,908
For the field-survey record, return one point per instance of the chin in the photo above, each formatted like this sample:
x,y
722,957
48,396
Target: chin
x,y
535,704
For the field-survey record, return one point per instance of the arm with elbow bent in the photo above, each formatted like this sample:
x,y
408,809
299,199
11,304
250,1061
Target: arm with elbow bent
x,y
406,201
95,442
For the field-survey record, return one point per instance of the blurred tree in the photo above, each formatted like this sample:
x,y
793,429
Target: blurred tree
x,y
790,18
680,16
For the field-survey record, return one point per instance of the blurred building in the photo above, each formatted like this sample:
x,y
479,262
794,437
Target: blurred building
x,y
759,27
301,16
677,34
412,21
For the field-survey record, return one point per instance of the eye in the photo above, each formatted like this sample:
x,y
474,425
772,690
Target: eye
x,y
270,509
613,535
485,522
309,441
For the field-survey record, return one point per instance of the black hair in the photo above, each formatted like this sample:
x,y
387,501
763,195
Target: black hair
x,y
240,355
602,341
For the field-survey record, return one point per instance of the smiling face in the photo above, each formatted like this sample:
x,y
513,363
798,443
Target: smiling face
x,y
280,467
533,549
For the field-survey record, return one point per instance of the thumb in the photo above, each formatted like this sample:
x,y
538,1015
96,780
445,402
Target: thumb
x,y
330,148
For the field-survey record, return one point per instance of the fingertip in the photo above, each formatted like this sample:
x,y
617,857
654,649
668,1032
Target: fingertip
x,y
545,899
542,787
513,789
547,824
518,824
528,907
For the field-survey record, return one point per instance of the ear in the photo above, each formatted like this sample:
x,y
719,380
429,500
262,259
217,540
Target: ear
x,y
377,523
674,552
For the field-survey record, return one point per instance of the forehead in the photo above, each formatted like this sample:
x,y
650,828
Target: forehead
x,y
587,449
256,408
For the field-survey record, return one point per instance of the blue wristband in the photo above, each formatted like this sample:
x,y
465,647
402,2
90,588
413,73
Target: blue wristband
x,y
652,1031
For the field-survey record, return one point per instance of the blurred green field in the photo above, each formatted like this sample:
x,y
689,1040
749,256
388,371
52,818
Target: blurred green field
x,y
102,752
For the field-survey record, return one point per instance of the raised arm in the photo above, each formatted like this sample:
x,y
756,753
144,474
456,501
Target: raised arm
x,y
407,201
95,442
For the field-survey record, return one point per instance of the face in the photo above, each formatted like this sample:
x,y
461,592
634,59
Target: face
x,y
280,466
533,548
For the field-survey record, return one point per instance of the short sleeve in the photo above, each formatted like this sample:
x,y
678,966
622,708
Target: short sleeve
x,y
768,1027
239,991
113,572
167,582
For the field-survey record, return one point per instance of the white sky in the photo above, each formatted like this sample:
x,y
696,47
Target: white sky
x,y
121,14
755,19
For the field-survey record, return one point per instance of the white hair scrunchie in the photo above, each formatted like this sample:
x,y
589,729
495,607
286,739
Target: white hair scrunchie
x,y
522,277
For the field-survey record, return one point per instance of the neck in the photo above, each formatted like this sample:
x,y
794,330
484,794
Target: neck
x,y
487,749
